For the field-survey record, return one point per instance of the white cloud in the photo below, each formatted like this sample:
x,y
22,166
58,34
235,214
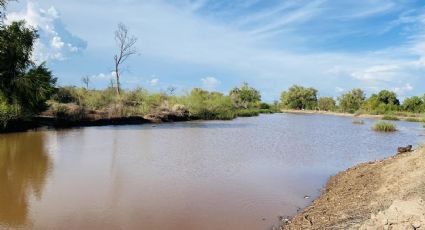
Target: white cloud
x,y
339,89
210,83
379,73
404,89
154,82
55,42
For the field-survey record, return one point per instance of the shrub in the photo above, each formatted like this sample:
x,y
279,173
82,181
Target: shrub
x,y
390,118
382,126
415,119
7,113
248,112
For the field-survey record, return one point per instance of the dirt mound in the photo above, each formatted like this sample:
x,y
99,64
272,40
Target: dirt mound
x,y
386,194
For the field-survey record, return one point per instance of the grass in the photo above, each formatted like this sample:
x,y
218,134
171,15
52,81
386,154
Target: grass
x,y
390,118
248,112
358,122
415,119
383,126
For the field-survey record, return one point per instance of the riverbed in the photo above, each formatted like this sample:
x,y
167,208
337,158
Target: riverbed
x,y
239,174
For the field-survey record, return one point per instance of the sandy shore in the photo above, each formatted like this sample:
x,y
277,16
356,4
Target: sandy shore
x,y
339,114
387,194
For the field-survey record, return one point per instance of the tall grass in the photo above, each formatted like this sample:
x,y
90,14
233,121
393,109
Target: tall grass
x,y
390,118
383,126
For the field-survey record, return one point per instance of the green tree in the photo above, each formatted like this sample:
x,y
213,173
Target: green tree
x,y
22,83
413,104
326,103
298,97
388,97
383,102
245,96
351,101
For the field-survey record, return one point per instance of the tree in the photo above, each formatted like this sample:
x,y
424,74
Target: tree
x,y
86,81
298,97
352,101
383,102
22,83
126,49
245,96
388,97
326,103
413,104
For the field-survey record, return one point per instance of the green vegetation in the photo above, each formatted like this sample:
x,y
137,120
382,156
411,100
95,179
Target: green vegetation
x,y
351,101
390,118
415,119
24,86
77,103
383,126
298,97
326,104
245,97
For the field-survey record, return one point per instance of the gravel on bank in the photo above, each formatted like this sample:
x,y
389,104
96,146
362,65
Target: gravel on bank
x,y
387,194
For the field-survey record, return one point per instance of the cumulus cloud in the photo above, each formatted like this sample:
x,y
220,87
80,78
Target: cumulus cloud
x,y
154,82
404,89
55,41
377,73
210,83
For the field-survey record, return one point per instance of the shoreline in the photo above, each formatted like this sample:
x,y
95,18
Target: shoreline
x,y
370,116
384,194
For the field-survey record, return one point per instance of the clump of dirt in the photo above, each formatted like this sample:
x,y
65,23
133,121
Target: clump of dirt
x,y
387,194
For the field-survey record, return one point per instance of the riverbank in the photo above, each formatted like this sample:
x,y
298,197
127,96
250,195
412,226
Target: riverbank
x,y
386,194
411,118
99,118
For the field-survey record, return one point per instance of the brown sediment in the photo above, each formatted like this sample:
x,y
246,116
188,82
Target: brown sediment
x,y
387,194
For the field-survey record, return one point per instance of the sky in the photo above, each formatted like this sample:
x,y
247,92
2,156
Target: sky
x,y
332,45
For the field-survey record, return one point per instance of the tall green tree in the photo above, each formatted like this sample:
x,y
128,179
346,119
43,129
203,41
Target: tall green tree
x,y
413,104
352,101
326,103
298,97
383,102
22,82
245,96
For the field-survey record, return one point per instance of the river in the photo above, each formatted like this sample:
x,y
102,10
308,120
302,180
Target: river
x,y
240,174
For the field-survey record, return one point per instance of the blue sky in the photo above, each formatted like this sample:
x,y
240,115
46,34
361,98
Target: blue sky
x,y
218,44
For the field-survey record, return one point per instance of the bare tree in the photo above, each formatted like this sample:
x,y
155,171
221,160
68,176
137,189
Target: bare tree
x,y
86,81
126,48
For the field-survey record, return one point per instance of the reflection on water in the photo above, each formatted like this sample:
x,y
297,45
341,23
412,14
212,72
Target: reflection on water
x,y
239,174
24,165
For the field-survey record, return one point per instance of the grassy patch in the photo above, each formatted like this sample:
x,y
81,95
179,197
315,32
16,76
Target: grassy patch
x,y
390,118
383,126
415,119
248,112
358,122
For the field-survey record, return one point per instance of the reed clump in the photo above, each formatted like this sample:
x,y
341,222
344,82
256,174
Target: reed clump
x,y
383,126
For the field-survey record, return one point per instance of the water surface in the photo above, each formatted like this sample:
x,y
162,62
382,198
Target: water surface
x,y
239,174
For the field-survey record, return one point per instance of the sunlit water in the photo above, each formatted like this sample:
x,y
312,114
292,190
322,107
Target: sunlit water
x,y
239,174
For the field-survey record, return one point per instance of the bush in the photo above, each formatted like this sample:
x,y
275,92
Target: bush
x,y
415,119
382,126
7,113
248,112
390,118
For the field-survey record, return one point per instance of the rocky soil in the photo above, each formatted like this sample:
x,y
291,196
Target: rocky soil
x,y
387,194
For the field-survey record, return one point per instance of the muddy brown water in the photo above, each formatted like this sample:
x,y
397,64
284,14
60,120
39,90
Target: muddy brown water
x,y
240,174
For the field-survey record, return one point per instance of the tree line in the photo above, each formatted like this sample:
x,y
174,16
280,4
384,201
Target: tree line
x,y
385,101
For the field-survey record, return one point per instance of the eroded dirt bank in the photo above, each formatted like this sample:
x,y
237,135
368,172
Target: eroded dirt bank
x,y
387,194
